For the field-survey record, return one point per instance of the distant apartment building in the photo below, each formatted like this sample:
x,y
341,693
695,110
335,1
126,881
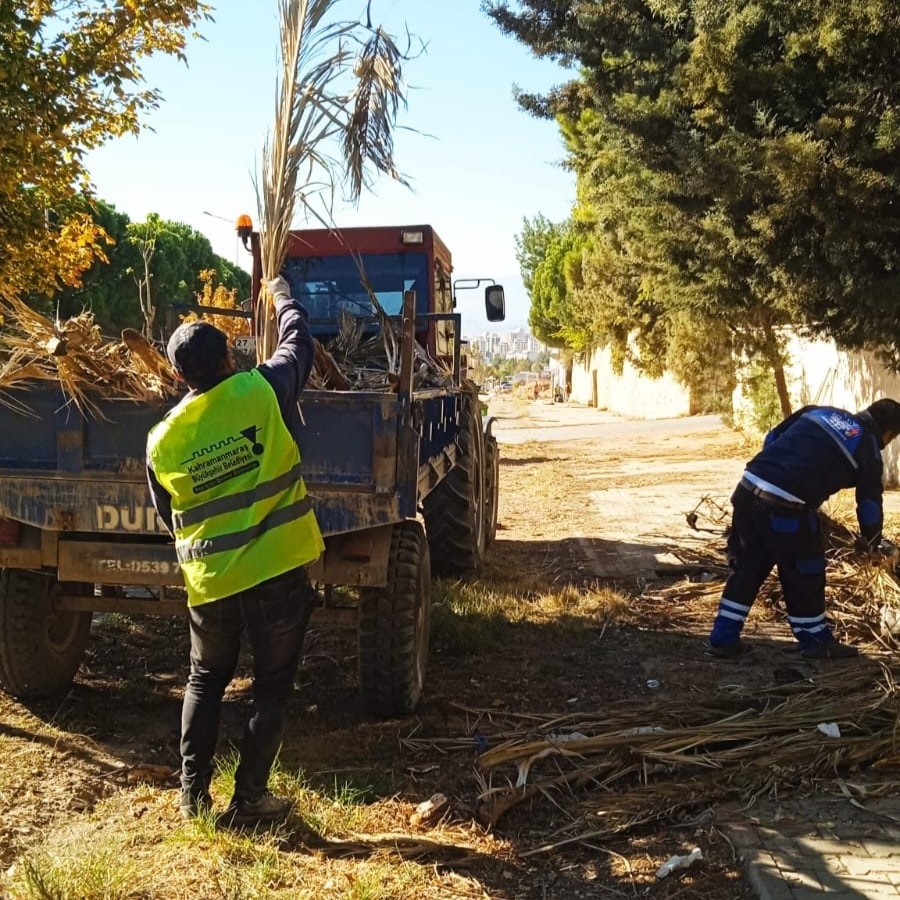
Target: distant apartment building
x,y
519,344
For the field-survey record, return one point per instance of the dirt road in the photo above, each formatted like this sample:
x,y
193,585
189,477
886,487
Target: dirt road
x,y
619,487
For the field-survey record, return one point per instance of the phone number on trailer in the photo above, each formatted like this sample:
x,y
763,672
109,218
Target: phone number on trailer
x,y
139,566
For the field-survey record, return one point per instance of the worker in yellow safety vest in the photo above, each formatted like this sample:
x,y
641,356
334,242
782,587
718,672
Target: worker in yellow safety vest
x,y
224,473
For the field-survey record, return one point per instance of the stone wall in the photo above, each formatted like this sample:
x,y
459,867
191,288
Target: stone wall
x,y
820,373
630,394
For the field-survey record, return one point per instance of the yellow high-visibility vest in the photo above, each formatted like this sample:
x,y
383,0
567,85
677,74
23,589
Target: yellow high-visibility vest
x,y
240,510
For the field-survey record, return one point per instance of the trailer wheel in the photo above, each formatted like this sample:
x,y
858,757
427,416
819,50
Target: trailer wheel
x,y
491,489
454,510
40,650
393,627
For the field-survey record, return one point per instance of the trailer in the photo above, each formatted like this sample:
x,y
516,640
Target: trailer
x,y
404,483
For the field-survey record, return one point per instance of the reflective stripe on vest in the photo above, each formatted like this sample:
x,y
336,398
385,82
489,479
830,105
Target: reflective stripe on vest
x,y
240,509
236,540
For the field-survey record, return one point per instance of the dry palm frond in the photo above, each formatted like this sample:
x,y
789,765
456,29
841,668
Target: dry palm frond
x,y
378,97
627,767
326,93
74,354
631,765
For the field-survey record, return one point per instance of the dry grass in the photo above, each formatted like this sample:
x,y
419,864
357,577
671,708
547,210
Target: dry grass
x,y
336,844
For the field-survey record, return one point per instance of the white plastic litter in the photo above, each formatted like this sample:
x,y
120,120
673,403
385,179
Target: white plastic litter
x,y
829,729
643,729
565,738
679,862
890,619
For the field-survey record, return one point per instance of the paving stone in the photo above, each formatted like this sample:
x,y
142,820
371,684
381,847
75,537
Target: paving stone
x,y
813,846
871,889
882,849
807,894
857,866
766,879
839,854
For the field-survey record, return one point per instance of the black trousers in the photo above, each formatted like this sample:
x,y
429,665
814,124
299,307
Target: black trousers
x,y
274,615
765,534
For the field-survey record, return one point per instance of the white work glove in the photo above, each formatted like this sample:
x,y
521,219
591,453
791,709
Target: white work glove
x,y
279,288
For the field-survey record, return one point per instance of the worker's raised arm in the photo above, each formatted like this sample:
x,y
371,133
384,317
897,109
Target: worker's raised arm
x,y
288,368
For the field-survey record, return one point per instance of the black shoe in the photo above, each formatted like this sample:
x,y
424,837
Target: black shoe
x,y
830,649
265,809
728,651
194,803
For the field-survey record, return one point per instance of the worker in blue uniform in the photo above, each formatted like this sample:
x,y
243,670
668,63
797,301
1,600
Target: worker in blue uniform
x,y
811,455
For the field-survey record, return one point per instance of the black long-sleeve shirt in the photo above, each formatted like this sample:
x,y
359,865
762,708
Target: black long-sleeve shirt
x,y
286,370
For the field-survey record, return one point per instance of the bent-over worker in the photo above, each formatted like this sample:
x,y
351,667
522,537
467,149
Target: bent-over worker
x,y
808,457
224,473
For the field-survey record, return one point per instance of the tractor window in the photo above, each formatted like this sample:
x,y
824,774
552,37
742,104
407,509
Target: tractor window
x,y
330,285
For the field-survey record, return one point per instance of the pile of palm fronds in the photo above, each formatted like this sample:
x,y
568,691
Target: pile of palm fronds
x,y
672,761
74,354
357,359
637,764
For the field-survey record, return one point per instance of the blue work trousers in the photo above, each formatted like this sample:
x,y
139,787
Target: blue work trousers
x,y
274,616
766,534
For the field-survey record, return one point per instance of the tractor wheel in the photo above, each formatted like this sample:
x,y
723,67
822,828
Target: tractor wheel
x,y
454,510
393,629
491,488
40,650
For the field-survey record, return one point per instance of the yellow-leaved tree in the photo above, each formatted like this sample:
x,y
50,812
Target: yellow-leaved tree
x,y
70,79
217,296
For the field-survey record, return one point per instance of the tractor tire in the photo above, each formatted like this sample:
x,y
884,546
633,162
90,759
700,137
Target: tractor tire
x,y
454,510
40,650
393,627
491,489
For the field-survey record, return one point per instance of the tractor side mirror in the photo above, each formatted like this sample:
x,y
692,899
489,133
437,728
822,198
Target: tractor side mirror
x,y
494,303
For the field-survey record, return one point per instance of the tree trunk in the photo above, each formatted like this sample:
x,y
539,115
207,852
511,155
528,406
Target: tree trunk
x,y
774,355
781,388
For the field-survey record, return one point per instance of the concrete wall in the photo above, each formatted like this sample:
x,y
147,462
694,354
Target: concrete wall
x,y
628,394
820,373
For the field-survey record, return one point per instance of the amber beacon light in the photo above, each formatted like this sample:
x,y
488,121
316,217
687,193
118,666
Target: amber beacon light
x,y
244,226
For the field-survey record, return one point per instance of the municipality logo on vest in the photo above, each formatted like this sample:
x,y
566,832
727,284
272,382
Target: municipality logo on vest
x,y
843,424
246,434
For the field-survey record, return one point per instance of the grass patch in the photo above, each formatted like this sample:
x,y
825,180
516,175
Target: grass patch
x,y
474,617
79,862
134,846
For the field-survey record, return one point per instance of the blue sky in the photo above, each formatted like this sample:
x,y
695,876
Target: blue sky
x,y
476,162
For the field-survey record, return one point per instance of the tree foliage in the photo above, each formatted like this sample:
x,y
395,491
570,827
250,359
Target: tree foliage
x,y
70,79
737,164
178,272
550,260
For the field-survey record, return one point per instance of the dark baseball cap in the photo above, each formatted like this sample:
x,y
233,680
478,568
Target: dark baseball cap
x,y
197,349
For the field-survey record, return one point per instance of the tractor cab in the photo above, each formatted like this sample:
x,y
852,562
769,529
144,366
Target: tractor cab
x,y
352,272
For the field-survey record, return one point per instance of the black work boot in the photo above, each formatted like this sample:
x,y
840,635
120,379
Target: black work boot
x,y
264,810
194,803
727,651
830,649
